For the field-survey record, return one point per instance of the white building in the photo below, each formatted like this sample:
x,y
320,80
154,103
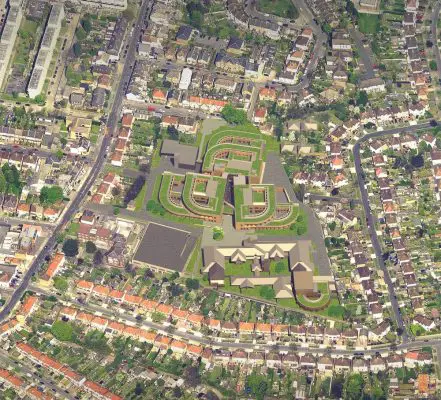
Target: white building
x,y
45,52
7,40
113,4
185,81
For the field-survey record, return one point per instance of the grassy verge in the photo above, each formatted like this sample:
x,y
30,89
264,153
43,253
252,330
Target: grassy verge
x,y
139,200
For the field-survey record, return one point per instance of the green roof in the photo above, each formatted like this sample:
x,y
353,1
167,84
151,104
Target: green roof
x,y
242,209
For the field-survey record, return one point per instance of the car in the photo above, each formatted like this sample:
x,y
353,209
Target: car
x,y
433,122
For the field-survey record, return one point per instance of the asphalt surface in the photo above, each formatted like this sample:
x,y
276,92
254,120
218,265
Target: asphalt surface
x,y
436,52
112,124
370,219
364,53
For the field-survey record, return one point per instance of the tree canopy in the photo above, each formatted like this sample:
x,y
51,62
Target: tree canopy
x,y
51,194
233,115
70,247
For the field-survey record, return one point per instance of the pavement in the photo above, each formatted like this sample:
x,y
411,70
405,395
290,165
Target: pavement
x,y
433,26
370,219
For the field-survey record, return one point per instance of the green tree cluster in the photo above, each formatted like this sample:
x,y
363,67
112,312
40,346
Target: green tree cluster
x,y
50,195
233,115
10,180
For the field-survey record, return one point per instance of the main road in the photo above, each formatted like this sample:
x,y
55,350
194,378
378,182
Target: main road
x,y
74,206
371,220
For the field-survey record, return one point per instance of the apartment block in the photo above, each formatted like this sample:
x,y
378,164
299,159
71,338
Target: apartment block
x,y
45,52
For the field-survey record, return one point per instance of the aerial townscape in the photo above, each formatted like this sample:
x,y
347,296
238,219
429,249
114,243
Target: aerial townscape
x,y
220,199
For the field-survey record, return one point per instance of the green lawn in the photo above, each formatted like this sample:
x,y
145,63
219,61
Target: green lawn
x,y
281,8
139,200
244,269
368,23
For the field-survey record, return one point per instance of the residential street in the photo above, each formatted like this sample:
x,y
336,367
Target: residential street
x,y
371,220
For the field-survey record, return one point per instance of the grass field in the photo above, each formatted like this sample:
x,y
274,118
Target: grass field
x,y
368,23
281,8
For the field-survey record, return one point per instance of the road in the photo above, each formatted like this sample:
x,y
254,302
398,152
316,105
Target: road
x,y
231,344
36,377
435,48
112,124
364,53
370,219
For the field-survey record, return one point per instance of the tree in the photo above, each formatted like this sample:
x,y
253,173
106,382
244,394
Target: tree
x,y
173,132
432,65
98,258
233,115
40,99
116,191
192,284
354,387
128,14
362,98
70,247
301,230
60,284
90,247
80,33
63,331
51,195
86,24
77,49
116,210
134,189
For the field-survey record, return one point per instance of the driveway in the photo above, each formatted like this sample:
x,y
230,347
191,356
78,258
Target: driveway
x,y
365,53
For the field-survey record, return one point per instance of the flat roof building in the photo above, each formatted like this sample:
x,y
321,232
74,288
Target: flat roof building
x,y
45,52
185,81
7,40
164,248
184,156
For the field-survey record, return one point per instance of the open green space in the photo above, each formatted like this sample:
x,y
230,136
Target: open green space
x,y
281,8
368,23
